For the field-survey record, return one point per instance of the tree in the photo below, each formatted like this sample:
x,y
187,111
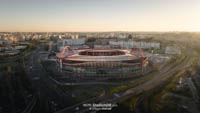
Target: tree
x,y
91,39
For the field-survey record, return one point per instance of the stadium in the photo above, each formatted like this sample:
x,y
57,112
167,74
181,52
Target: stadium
x,y
101,62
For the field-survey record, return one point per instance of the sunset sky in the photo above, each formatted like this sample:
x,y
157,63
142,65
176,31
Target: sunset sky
x,y
99,15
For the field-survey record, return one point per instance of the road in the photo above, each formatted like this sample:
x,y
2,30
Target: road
x,y
146,86
46,89
193,90
160,77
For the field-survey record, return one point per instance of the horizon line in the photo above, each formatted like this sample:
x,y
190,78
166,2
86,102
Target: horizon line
x,y
88,31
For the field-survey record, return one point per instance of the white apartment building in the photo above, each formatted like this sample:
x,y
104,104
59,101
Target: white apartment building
x,y
70,42
130,44
170,50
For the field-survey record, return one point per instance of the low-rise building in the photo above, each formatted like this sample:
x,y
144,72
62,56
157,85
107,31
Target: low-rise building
x,y
1,42
130,44
170,50
20,47
13,52
70,42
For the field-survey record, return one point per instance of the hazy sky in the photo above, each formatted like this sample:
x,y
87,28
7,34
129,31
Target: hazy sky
x,y
99,15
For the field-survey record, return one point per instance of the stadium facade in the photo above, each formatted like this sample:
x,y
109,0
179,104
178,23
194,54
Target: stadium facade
x,y
101,63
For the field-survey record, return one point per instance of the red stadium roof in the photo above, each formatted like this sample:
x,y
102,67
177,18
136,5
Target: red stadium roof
x,y
95,55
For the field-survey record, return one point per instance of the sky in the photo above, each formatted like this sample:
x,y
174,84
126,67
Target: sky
x,y
99,15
